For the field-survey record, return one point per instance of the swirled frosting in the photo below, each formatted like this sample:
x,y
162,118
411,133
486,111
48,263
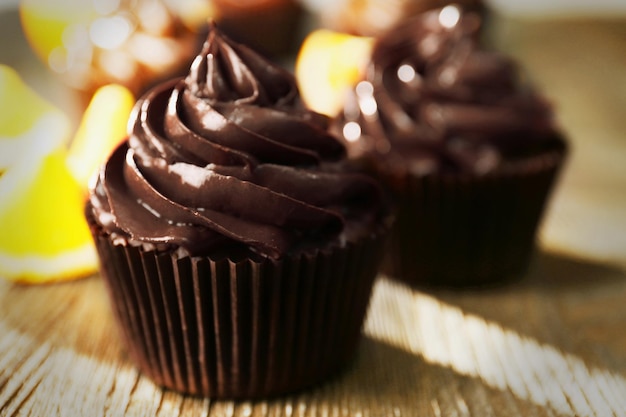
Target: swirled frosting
x,y
228,159
434,100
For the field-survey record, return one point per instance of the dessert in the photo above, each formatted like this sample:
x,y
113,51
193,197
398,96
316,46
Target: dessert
x,y
238,246
468,149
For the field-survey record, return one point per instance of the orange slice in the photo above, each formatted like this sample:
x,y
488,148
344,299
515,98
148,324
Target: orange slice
x,y
101,130
44,235
24,116
328,64
43,183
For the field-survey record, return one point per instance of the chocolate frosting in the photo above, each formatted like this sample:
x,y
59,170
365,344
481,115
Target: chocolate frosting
x,y
228,157
435,97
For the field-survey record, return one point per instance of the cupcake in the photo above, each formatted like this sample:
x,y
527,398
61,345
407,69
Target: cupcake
x,y
466,146
238,247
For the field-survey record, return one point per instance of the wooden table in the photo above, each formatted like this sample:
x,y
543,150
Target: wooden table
x,y
551,344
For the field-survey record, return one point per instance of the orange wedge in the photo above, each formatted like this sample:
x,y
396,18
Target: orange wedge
x,y
44,236
328,64
101,130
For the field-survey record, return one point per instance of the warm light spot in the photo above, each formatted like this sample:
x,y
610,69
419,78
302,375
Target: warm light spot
x,y
75,37
110,32
105,7
448,76
57,60
364,88
429,45
365,93
352,131
156,13
118,65
368,106
406,73
74,55
449,16
153,51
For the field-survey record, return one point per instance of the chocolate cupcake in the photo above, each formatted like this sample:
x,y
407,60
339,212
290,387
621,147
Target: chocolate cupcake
x,y
238,247
468,149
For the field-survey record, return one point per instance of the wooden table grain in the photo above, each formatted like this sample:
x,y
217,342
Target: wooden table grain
x,y
551,344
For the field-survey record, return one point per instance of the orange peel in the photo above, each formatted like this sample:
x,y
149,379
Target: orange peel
x,y
328,64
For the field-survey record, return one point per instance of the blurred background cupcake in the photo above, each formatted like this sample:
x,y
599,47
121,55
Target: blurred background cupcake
x,y
467,147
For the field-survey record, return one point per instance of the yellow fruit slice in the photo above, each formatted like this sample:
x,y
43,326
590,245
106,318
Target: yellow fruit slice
x,y
26,118
15,98
101,130
328,64
44,233
47,23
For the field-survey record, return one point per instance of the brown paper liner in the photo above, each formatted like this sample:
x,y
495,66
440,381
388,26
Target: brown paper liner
x,y
465,230
239,330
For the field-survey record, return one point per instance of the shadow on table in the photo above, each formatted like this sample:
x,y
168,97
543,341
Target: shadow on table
x,y
558,272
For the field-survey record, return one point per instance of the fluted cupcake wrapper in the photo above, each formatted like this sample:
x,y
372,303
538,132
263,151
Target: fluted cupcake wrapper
x,y
246,329
468,230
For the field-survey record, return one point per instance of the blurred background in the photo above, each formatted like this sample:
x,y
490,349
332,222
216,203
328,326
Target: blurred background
x,y
157,38
561,7
65,50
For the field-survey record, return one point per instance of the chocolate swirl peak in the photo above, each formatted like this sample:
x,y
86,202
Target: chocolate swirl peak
x,y
228,159
433,94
